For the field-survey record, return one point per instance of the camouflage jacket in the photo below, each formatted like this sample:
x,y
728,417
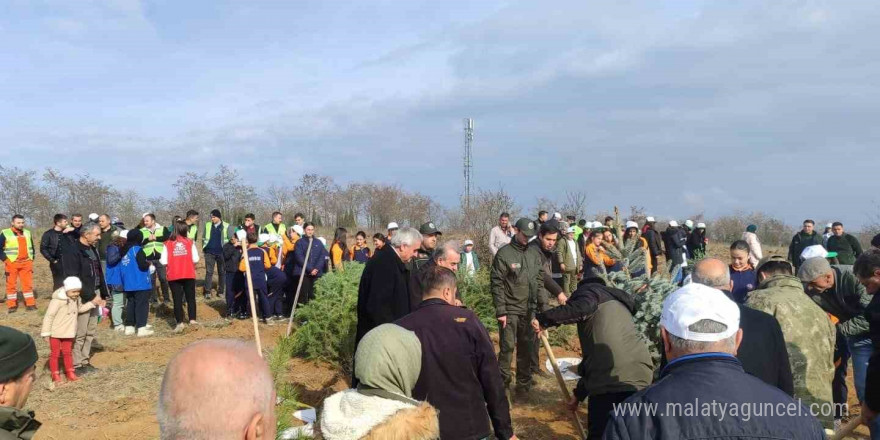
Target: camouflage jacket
x,y
16,424
808,332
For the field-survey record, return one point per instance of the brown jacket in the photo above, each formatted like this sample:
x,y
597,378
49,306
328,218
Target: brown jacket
x,y
60,319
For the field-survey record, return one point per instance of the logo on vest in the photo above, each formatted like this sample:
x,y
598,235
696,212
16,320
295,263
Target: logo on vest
x,y
179,250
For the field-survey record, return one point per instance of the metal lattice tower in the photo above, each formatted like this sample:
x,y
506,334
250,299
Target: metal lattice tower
x,y
468,159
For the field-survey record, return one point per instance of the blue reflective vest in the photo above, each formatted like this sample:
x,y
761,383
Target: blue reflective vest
x,y
133,278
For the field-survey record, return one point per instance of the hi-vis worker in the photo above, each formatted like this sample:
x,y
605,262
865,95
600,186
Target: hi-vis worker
x,y
18,256
192,224
215,235
276,227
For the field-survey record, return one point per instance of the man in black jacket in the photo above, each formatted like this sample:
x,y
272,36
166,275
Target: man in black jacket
x,y
50,249
460,375
383,293
80,259
616,362
675,239
867,269
703,392
762,353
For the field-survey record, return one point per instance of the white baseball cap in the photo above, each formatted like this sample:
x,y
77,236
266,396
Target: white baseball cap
x,y
557,216
93,217
696,302
701,225
571,230
816,251
673,223
468,242
829,225
393,225
632,224
689,223
299,230
650,220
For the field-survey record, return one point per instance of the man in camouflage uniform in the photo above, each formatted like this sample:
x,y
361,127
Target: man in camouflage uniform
x,y
808,331
517,281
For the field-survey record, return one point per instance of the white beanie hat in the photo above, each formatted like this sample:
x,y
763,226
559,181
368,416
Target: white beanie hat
x,y
72,283
673,223
299,230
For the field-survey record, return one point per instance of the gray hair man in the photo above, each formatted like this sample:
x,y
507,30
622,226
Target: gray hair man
x,y
701,336
235,401
763,351
384,290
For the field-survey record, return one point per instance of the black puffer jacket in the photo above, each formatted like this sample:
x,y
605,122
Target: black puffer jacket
x,y
713,386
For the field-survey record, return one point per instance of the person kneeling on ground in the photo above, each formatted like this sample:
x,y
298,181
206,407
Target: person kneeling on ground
x,y
59,325
699,326
18,356
194,405
387,363
616,360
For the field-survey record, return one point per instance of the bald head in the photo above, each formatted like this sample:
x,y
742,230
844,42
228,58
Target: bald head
x,y
217,389
712,272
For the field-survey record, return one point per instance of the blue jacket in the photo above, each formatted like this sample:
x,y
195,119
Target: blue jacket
x,y
709,382
134,278
316,257
113,275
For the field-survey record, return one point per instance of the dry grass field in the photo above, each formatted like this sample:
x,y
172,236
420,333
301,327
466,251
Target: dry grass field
x,y
119,402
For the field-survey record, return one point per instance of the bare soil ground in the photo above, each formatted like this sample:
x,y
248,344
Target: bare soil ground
x,y
119,402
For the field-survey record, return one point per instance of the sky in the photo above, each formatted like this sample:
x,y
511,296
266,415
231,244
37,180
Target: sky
x,y
681,107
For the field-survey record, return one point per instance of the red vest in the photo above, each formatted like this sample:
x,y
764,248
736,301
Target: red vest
x,y
180,260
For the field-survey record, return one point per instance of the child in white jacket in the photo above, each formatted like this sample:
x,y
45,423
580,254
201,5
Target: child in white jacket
x,y
59,325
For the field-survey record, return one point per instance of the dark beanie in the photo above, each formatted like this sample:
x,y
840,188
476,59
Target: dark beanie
x,y
17,353
216,213
134,236
876,241
752,228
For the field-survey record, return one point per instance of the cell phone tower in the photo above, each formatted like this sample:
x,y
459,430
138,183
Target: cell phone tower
x,y
468,159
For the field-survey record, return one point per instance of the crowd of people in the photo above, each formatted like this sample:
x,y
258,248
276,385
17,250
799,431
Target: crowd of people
x,y
759,331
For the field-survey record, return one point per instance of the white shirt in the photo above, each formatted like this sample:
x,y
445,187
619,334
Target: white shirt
x,y
469,262
572,248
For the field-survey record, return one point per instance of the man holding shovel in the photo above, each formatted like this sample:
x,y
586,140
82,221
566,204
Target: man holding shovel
x,y
616,361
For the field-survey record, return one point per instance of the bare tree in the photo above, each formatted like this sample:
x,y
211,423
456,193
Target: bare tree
x,y
19,191
575,204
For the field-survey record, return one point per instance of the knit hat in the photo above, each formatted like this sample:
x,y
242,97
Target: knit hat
x,y
752,228
72,283
813,268
135,236
17,353
216,213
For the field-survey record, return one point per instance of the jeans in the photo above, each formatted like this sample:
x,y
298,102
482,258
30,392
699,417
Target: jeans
x,y
180,289
162,275
137,308
117,311
86,324
860,349
212,260
838,386
57,275
232,287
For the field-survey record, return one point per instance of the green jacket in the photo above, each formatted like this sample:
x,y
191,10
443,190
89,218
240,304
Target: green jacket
x,y
847,247
809,336
846,301
563,255
473,257
517,280
17,424
801,241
